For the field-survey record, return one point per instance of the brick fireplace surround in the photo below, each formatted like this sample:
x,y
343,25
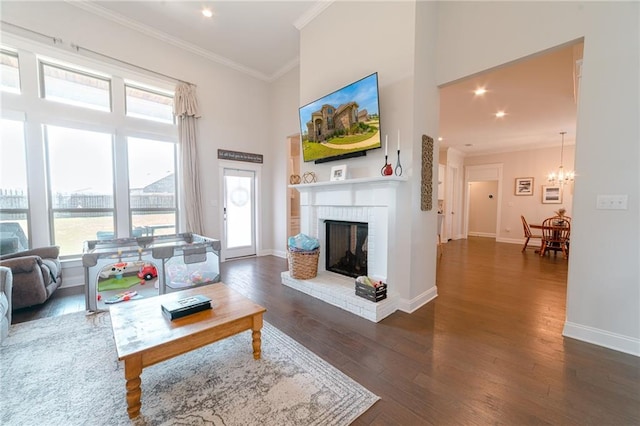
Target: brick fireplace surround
x,y
370,200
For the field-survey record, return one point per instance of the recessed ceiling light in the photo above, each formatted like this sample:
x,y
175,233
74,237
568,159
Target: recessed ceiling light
x,y
440,138
206,12
500,114
480,91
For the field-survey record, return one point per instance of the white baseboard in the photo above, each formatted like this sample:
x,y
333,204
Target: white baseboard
x,y
409,306
482,234
519,241
279,253
604,338
72,273
272,252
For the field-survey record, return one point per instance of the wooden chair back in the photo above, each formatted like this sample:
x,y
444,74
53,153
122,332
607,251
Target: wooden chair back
x,y
525,226
555,235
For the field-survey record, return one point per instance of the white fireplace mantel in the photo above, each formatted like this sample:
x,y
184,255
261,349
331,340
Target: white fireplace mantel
x,y
365,200
305,187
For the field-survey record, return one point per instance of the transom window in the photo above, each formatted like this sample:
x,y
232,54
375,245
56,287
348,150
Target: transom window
x,y
9,71
148,104
75,87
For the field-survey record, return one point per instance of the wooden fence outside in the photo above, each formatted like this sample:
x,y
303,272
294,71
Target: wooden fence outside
x,y
11,199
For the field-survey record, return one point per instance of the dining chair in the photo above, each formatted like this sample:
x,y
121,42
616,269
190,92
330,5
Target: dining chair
x,y
555,236
527,233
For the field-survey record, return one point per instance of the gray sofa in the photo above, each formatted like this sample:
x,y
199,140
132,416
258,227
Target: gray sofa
x,y
6,283
37,273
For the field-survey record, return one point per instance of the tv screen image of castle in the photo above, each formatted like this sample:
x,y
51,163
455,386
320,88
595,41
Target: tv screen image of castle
x,y
343,122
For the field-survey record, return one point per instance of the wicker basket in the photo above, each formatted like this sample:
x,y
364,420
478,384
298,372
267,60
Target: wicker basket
x,y
303,265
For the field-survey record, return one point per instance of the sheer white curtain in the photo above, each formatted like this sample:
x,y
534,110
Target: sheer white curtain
x,y
186,112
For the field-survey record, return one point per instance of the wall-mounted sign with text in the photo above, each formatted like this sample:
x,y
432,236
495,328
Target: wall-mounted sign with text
x,y
247,157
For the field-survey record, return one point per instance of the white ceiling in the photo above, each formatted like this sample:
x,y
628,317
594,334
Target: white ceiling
x,y
536,93
257,37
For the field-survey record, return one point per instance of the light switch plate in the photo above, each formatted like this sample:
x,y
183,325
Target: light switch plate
x,y
612,202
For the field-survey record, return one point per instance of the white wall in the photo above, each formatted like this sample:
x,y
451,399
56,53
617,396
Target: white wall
x,y
351,40
283,100
537,163
348,41
426,103
603,297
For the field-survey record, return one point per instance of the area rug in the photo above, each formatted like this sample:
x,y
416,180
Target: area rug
x,y
64,371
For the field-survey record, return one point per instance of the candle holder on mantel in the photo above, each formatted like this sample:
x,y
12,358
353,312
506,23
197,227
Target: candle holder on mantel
x,y
387,169
398,166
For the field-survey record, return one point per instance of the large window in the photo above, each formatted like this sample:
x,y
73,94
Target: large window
x,y
14,201
80,186
152,187
101,166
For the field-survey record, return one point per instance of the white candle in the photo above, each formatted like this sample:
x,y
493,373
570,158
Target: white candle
x,y
386,144
398,139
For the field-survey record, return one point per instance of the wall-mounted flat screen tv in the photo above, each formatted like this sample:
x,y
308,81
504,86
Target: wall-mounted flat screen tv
x,y
342,124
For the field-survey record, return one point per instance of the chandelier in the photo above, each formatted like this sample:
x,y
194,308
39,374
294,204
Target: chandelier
x,y
561,176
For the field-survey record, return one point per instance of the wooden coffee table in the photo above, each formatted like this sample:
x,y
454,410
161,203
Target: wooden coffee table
x,y
145,337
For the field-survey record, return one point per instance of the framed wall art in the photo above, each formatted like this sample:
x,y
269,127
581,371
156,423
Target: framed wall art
x,y
524,186
426,187
551,194
339,172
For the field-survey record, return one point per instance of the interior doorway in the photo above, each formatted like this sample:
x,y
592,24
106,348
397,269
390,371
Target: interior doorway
x,y
483,208
488,181
453,204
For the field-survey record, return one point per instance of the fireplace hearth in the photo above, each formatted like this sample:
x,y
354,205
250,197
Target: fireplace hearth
x,y
346,248
365,204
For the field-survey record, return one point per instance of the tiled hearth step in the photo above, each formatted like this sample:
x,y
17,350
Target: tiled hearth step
x,y
339,291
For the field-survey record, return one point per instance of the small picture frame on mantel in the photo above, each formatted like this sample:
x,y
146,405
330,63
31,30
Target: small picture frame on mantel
x,y
338,172
551,194
524,186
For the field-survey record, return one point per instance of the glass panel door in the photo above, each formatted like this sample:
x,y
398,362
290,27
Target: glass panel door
x,y
239,213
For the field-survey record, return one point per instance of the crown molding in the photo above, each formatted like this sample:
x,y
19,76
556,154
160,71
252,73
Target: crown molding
x,y
285,69
159,35
312,13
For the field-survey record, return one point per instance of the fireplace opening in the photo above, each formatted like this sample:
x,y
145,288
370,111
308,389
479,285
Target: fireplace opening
x,y
346,247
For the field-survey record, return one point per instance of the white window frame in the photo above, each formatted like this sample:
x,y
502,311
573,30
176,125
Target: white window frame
x,y
38,113
42,62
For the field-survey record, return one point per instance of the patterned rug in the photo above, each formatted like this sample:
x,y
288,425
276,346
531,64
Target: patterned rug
x,y
65,371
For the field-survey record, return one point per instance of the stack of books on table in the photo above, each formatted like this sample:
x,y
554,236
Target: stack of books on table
x,y
182,307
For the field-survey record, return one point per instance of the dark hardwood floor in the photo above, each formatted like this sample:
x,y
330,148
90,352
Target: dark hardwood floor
x,y
488,350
